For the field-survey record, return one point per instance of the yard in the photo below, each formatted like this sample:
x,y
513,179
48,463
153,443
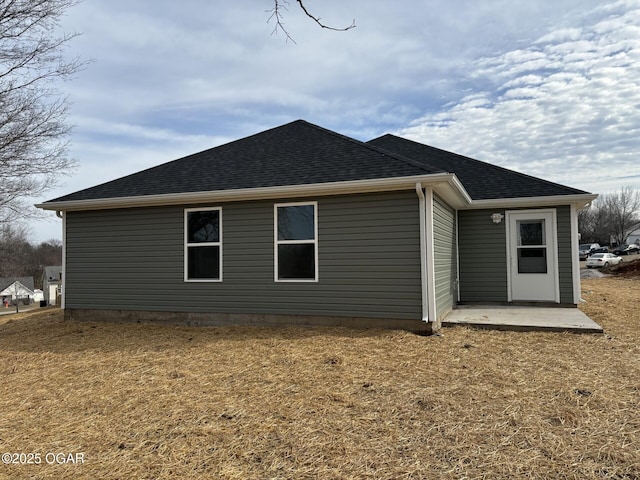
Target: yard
x,y
122,401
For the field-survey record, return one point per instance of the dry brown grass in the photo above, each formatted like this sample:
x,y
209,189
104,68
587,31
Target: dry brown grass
x,y
158,402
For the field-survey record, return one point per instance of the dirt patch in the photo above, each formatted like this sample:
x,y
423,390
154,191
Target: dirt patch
x,y
625,269
159,402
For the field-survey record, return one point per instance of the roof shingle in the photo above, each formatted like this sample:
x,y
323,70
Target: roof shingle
x,y
481,180
300,153
297,153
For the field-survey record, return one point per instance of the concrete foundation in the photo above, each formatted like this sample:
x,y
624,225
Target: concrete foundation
x,y
227,319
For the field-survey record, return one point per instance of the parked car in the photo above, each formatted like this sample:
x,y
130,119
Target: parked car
x,y
627,249
632,248
603,260
600,250
586,249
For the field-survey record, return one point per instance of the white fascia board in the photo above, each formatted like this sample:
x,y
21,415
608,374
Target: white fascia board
x,y
452,192
580,201
445,182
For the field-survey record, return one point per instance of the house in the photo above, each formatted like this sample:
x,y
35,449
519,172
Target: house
x,y
17,290
633,234
302,225
38,295
52,284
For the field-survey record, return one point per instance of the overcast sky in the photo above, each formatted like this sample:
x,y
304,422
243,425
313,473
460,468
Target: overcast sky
x,y
551,89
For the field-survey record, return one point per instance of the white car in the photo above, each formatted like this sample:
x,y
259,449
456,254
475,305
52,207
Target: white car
x,y
603,260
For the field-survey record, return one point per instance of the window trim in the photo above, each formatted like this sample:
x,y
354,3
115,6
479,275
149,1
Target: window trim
x,y
202,244
277,242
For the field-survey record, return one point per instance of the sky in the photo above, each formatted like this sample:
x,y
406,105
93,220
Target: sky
x,y
551,89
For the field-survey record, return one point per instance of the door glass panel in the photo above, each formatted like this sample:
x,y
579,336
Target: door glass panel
x,y
532,260
531,232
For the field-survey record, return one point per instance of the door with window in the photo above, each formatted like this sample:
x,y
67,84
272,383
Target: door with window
x,y
533,258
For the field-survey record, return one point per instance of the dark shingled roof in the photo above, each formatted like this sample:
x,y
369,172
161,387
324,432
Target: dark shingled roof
x,y
300,153
297,153
481,180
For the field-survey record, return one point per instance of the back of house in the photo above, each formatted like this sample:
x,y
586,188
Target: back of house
x,y
302,225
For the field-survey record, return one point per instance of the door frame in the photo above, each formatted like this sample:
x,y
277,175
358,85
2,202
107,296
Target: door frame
x,y
552,251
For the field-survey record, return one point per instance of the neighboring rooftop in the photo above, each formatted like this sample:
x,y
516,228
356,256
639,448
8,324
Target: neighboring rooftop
x,y
25,281
53,273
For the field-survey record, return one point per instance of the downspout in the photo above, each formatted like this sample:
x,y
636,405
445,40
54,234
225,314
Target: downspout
x,y
459,296
423,252
430,260
575,261
63,281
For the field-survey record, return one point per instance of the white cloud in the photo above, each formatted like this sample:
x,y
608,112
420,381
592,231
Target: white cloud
x,y
561,35
565,108
532,85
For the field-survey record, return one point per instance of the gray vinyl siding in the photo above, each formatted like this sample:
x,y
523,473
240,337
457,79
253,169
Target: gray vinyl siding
x,y
133,259
445,259
483,256
564,254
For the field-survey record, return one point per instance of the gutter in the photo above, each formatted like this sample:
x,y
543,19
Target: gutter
x,y
446,185
580,200
447,182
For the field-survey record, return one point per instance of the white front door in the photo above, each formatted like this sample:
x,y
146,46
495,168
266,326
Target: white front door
x,y
532,255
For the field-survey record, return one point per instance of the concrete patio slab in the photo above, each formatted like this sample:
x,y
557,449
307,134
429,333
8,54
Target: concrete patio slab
x,y
523,318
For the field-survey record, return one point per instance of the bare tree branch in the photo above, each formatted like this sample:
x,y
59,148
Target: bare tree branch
x,y
276,14
317,19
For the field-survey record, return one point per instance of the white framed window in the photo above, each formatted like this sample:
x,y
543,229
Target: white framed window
x,y
296,242
203,244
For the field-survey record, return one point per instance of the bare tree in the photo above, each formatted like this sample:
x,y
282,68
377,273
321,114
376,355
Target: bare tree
x,y
593,223
610,217
15,250
283,5
20,258
33,129
623,211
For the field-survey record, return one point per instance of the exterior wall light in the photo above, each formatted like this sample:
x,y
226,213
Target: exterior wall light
x,y
497,217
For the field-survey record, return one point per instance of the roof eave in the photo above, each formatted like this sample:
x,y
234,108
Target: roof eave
x,y
579,200
446,184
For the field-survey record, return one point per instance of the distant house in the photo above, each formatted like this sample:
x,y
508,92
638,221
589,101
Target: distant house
x,y
633,234
299,224
17,289
52,284
38,295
